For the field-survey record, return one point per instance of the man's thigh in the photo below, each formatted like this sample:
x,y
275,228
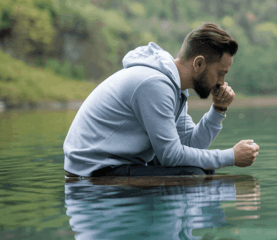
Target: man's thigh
x,y
139,170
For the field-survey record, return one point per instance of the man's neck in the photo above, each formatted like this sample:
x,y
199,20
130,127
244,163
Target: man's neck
x,y
184,73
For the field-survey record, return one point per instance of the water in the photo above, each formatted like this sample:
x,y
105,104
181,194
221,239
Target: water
x,y
37,202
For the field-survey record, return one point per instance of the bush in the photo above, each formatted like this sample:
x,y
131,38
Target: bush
x,y
31,26
66,69
22,83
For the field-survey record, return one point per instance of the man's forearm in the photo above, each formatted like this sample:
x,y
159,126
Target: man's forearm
x,y
202,134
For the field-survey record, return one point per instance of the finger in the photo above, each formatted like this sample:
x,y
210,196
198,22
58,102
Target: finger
x,y
252,161
221,91
248,141
232,94
255,146
213,91
229,97
256,154
227,93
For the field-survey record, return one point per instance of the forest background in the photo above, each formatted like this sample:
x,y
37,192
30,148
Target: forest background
x,y
61,49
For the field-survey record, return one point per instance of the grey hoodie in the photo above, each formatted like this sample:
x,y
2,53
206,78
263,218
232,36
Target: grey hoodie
x,y
139,112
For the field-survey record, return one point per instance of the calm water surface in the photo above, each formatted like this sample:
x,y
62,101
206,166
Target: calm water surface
x,y
37,202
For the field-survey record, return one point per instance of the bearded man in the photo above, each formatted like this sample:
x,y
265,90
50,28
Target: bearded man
x,y
135,123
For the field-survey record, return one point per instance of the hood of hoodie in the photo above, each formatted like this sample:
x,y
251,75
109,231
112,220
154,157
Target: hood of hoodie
x,y
154,57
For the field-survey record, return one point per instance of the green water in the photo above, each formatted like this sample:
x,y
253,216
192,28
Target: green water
x,y
32,192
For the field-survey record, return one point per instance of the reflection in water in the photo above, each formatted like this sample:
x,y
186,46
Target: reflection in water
x,y
32,185
154,207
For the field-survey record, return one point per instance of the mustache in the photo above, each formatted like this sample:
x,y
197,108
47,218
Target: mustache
x,y
217,86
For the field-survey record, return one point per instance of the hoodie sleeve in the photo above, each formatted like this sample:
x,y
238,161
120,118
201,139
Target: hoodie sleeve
x,y
199,135
153,103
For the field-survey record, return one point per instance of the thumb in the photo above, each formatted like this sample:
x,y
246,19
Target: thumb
x,y
249,141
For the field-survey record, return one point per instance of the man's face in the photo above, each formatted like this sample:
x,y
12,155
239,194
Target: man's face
x,y
201,85
213,76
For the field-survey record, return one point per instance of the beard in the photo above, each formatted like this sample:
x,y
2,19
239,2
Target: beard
x,y
201,85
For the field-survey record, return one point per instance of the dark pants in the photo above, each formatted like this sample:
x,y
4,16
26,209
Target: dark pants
x,y
154,168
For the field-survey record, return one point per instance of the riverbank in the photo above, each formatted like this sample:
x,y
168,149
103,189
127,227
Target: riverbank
x,y
71,105
193,103
239,102
25,87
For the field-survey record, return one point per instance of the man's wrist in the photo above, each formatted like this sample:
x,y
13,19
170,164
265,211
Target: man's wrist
x,y
220,109
214,117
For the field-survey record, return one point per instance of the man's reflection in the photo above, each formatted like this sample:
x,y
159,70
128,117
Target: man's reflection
x,y
152,207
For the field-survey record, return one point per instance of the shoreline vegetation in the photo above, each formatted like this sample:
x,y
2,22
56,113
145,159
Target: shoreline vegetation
x,y
75,40
58,65
24,85
33,88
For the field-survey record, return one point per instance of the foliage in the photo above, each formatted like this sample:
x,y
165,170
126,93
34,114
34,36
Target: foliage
x,y
69,11
20,82
108,29
109,34
227,22
252,23
137,9
65,69
31,26
5,14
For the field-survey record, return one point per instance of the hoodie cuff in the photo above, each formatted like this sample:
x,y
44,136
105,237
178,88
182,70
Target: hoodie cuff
x,y
228,157
215,117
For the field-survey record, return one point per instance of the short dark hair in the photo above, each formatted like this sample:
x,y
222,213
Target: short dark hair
x,y
210,41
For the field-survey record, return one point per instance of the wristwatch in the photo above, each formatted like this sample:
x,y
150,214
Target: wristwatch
x,y
220,109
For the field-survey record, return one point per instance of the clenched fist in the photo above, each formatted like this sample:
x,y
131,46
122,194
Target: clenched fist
x,y
223,96
245,153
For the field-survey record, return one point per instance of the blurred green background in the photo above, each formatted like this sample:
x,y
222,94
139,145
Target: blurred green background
x,y
61,49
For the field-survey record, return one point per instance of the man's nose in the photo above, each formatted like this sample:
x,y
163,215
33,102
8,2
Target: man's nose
x,y
221,83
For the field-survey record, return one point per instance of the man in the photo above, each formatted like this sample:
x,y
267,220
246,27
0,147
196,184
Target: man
x,y
141,112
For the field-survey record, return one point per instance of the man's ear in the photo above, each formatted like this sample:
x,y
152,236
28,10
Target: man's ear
x,y
199,64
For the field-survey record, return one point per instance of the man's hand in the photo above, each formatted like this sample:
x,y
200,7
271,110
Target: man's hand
x,y
245,153
223,96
